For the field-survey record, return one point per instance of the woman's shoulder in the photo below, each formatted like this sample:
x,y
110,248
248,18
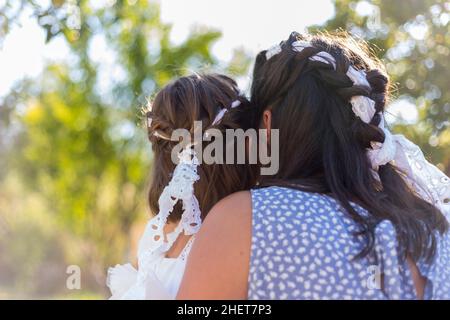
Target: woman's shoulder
x,y
234,198
217,267
230,216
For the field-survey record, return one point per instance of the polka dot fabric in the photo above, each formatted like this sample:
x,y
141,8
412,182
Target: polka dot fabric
x,y
303,245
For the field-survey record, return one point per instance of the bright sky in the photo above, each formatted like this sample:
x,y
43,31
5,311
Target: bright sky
x,y
251,24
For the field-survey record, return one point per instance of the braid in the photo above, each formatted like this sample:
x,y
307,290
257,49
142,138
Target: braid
x,y
331,64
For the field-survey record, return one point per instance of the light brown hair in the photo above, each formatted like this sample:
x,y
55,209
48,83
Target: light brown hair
x,y
180,103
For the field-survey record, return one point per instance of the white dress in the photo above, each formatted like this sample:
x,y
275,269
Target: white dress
x,y
158,277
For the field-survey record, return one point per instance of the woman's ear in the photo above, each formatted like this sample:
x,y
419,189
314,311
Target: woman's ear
x,y
267,122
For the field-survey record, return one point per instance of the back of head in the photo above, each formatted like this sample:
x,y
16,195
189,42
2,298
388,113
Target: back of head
x,y
323,144
180,103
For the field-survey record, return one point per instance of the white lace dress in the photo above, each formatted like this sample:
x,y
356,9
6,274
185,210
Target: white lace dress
x,y
158,277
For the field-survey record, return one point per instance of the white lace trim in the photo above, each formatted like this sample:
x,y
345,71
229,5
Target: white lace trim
x,y
154,243
272,51
180,188
222,112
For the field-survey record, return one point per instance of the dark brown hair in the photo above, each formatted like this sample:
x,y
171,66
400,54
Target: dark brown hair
x,y
198,98
323,144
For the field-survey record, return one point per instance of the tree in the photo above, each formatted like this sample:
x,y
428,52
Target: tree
x,y
82,147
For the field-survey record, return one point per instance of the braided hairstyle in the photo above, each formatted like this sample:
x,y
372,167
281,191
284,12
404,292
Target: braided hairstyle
x,y
323,144
197,97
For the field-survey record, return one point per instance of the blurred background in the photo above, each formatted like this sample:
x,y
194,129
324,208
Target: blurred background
x,y
75,74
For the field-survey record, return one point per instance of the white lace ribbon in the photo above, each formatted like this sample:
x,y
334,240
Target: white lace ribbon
x,y
180,188
272,51
428,181
382,153
362,106
222,112
154,243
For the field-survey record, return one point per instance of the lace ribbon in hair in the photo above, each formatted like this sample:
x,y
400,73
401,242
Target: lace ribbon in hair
x,y
154,243
216,120
180,188
222,112
425,178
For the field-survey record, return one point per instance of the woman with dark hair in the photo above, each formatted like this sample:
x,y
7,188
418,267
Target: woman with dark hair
x,y
353,212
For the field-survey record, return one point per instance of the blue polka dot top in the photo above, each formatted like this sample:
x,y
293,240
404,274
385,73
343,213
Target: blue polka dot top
x,y
304,245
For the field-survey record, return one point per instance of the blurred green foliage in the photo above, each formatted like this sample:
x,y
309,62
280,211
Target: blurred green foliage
x,y
77,156
74,158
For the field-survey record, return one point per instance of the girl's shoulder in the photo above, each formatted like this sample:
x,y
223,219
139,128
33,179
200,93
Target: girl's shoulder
x,y
229,218
218,263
